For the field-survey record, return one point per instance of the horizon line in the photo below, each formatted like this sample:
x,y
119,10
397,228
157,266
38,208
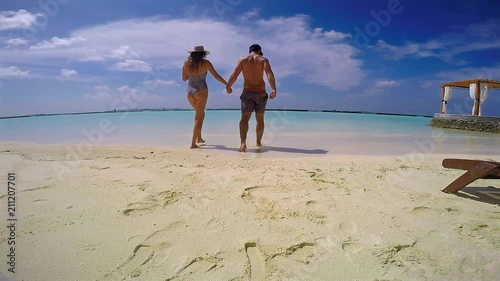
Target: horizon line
x,y
208,109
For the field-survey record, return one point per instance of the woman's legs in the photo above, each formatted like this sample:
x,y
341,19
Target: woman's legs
x,y
198,103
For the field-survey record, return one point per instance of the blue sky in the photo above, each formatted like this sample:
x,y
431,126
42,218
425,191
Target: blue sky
x,y
381,56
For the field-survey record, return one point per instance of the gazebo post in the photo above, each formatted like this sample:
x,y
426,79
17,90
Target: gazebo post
x,y
477,101
442,99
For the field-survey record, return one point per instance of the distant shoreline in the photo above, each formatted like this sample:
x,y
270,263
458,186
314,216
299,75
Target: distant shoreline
x,y
214,109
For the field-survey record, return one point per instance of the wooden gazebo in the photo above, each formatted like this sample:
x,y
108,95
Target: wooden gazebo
x,y
491,84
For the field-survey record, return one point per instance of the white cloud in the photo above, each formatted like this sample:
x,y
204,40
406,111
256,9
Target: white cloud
x,y
492,73
127,90
410,49
140,98
12,72
56,42
476,37
101,93
123,52
385,83
159,82
364,94
68,73
331,34
250,14
294,47
144,98
21,19
132,66
429,85
313,55
371,92
14,42
137,94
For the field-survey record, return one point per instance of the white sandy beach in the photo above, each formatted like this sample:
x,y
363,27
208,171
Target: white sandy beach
x,y
147,213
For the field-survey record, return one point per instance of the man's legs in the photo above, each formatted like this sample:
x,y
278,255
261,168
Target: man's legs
x,y
260,108
259,117
245,117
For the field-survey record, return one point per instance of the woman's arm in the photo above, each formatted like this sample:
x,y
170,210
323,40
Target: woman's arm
x,y
184,73
216,75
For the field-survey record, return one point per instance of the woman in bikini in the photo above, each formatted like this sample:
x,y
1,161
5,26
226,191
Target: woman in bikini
x,y
195,70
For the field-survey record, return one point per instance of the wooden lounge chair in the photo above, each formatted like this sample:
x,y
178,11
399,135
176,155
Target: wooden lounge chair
x,y
476,169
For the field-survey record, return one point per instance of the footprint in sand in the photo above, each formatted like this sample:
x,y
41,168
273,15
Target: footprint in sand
x,y
90,247
318,176
256,262
40,201
265,206
156,251
143,186
141,255
276,204
428,211
475,229
135,237
301,252
196,268
349,226
153,246
151,203
419,210
99,167
38,188
311,205
350,244
400,255
296,261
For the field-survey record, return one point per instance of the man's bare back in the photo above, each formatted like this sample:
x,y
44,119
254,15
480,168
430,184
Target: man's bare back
x,y
253,71
253,67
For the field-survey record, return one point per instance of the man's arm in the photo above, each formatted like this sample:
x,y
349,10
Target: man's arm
x,y
270,78
234,76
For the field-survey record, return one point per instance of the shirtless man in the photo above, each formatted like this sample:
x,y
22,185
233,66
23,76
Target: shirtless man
x,y
254,96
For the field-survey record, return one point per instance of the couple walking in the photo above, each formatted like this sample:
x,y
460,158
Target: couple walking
x,y
253,97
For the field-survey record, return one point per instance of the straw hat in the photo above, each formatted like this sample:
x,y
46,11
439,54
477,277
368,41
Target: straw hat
x,y
199,49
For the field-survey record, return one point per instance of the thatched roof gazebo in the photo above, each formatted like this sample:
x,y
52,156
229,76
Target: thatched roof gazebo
x,y
478,91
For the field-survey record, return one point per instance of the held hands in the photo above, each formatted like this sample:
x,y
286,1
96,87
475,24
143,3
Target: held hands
x,y
229,90
273,94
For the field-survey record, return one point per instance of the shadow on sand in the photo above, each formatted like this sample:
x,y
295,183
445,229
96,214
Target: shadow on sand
x,y
488,195
265,149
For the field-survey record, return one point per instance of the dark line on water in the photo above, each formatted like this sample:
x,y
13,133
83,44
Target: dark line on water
x,y
213,109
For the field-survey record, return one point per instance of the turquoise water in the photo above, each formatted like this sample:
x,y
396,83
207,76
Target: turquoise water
x,y
289,132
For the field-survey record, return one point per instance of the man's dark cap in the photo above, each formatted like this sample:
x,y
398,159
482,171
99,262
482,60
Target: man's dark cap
x,y
255,48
